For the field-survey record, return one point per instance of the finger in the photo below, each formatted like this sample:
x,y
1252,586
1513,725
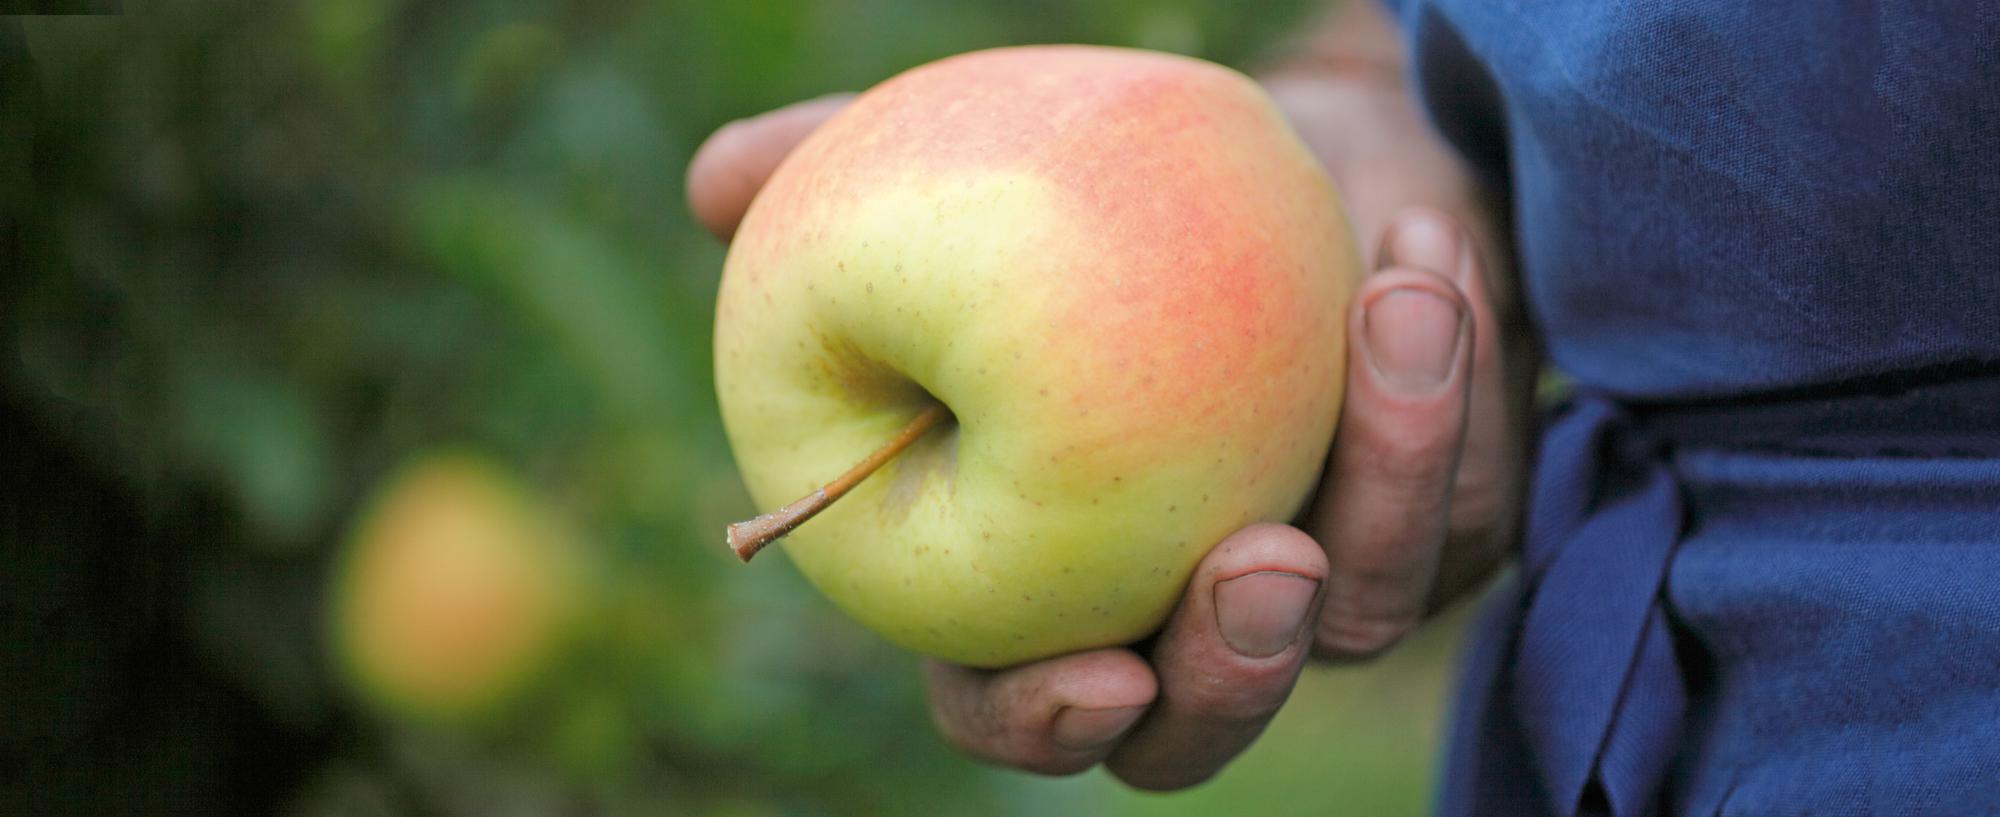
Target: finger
x,y
1485,487
1384,513
1059,716
1227,659
729,168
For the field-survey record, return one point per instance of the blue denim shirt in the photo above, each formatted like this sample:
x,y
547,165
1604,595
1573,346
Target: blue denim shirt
x,y
1762,567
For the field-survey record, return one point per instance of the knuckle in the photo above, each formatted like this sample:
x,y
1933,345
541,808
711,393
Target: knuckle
x,y
959,731
968,721
1248,696
1357,637
1003,723
983,734
1410,458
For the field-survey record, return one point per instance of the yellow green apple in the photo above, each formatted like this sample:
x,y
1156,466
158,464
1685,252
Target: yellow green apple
x,y
1123,276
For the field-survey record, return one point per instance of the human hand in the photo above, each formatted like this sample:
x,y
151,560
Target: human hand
x,y
1416,504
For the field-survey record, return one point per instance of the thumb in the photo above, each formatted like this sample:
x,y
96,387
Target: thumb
x,y
733,164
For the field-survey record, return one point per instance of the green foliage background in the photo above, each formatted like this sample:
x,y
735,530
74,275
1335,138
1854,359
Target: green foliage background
x,y
266,251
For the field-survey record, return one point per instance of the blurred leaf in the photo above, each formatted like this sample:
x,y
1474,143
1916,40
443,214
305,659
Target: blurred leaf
x,y
506,61
575,286
267,441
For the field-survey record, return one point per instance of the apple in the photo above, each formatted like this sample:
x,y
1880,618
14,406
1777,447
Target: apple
x,y
1094,302
454,590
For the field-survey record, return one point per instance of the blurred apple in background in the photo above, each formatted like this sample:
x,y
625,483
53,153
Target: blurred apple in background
x,y
455,592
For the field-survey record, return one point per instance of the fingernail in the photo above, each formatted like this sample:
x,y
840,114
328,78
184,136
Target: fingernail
x,y
1082,729
1412,338
1261,614
1426,241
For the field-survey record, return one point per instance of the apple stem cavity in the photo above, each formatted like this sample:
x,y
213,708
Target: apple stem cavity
x,y
749,536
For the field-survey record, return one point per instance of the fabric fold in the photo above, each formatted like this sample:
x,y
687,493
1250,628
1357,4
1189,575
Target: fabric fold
x,y
1595,689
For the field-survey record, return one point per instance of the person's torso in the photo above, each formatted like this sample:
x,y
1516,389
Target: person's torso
x,y
1764,241
1718,198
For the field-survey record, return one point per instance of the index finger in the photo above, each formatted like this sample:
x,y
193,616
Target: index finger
x,y
733,164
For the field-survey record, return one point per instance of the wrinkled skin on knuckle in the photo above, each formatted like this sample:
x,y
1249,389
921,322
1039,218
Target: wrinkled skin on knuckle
x,y
1412,460
967,733
1353,636
971,715
1241,698
1006,722
1013,737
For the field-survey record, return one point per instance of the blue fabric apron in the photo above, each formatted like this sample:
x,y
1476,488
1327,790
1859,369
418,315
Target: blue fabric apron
x,y
1761,571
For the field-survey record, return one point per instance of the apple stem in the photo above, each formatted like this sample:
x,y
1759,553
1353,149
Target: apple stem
x,y
749,536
